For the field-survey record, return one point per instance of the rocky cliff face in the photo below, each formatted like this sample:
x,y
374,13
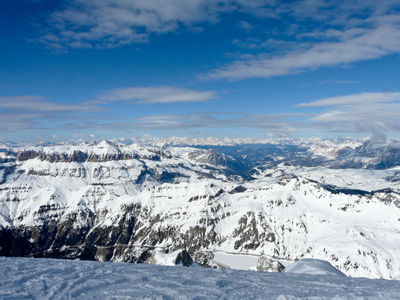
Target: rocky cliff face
x,y
136,203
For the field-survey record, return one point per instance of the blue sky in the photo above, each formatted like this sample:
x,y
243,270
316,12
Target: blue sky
x,y
197,68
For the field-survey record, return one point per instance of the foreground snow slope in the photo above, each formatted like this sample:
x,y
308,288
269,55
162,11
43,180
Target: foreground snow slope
x,y
27,278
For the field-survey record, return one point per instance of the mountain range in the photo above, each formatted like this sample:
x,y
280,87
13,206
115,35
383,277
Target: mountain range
x,y
257,206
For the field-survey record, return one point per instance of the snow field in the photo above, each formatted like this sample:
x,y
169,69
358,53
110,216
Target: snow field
x,y
28,278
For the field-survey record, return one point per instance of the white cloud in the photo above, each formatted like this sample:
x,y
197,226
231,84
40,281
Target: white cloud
x,y
354,99
33,112
155,94
350,46
245,25
26,112
110,23
39,104
340,81
325,34
275,124
375,113
278,123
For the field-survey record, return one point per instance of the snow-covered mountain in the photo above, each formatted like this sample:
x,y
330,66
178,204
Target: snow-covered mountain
x,y
250,206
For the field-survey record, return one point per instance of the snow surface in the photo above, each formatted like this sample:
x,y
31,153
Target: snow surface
x,y
32,278
235,261
313,267
165,259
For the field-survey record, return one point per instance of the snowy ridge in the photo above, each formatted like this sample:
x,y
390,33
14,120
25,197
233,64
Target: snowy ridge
x,y
313,267
139,203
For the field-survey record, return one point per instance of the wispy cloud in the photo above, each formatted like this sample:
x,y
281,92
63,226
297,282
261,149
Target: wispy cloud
x,y
339,36
39,104
326,34
351,47
270,44
371,113
245,25
340,81
111,23
34,112
28,112
376,113
266,121
155,94
354,99
271,124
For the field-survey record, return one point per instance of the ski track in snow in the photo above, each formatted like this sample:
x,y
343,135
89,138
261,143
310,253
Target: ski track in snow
x,y
32,278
